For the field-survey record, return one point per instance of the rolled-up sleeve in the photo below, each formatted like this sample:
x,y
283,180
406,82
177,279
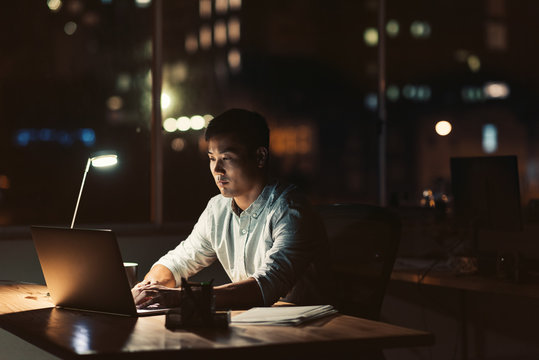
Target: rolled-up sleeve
x,y
294,247
192,254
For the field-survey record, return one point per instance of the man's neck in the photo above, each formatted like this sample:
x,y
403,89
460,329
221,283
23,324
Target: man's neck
x,y
245,200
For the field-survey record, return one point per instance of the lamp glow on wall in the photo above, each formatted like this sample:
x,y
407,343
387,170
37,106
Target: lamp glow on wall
x,y
99,161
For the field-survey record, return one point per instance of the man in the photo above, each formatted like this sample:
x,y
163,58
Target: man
x,y
264,233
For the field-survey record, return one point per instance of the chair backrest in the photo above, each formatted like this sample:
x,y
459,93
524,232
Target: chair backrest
x,y
364,240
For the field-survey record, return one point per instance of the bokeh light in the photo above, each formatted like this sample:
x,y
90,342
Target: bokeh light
x,y
183,123
170,125
474,63
443,128
114,103
54,5
392,28
178,144
490,138
496,90
370,36
70,27
420,29
197,122
165,101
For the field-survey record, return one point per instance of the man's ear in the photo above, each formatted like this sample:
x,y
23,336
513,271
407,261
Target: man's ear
x,y
261,156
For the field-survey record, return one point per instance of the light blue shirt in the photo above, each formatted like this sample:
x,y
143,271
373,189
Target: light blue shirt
x,y
278,240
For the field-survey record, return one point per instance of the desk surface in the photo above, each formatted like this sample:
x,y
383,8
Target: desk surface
x,y
467,282
28,313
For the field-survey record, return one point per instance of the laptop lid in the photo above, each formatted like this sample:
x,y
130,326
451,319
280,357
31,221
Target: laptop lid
x,y
84,270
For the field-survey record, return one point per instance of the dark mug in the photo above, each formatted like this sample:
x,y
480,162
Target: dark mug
x,y
131,271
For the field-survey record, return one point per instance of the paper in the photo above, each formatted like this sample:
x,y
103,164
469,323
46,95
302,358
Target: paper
x,y
282,315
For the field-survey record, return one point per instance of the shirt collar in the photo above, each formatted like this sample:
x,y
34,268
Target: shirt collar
x,y
257,206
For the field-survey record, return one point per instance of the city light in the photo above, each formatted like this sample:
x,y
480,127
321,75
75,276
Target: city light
x,y
123,82
490,138
165,101
70,27
25,137
178,144
443,128
392,28
417,92
207,119
183,123
54,5
234,4
87,136
234,59
420,29
371,101
45,135
221,6
205,37
423,93
191,43
219,33
474,63
472,94
496,90
204,9
370,36
393,92
170,125
234,30
114,103
177,72
197,122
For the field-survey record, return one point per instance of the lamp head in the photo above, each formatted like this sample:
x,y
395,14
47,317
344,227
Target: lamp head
x,y
101,159
104,160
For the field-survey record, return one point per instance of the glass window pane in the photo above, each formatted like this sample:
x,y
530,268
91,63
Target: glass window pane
x,y
74,81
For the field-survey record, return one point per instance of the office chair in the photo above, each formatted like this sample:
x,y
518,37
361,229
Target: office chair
x,y
364,240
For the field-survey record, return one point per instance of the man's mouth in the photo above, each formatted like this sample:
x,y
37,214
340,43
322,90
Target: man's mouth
x,y
222,182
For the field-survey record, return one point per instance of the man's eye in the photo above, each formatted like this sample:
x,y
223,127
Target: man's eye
x,y
212,159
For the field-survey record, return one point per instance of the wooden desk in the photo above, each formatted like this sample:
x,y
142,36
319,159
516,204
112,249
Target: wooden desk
x,y
27,313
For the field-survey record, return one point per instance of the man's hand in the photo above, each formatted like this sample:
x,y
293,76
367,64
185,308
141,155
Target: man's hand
x,y
150,293
159,275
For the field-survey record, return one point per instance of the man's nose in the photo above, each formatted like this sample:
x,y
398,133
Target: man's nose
x,y
218,167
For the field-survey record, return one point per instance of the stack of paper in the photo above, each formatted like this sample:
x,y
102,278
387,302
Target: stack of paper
x,y
282,315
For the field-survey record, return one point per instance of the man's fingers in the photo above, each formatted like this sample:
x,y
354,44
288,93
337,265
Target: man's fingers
x,y
147,301
145,283
145,296
150,293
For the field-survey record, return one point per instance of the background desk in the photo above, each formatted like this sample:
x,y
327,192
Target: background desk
x,y
28,313
467,282
473,317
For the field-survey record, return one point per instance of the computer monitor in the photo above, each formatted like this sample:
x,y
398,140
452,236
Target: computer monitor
x,y
486,192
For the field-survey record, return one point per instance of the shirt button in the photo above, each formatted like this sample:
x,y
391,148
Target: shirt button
x,y
255,215
244,231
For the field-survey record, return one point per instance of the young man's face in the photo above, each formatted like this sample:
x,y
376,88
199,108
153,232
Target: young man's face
x,y
233,168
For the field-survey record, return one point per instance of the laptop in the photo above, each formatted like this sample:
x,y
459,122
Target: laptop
x,y
84,270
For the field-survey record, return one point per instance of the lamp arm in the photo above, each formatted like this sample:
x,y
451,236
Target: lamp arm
x,y
80,191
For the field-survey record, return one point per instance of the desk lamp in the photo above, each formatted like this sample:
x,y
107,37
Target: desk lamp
x,y
104,160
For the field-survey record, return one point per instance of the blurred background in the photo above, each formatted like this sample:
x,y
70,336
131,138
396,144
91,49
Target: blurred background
x,y
75,78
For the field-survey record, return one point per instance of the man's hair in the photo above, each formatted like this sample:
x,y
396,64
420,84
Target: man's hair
x,y
249,127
